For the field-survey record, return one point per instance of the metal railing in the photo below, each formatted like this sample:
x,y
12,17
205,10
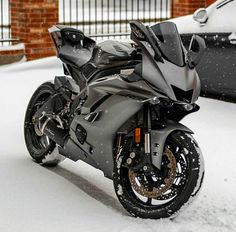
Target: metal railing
x,y
98,18
5,22
109,18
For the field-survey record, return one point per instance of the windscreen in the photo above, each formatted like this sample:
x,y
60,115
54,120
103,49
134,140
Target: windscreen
x,y
169,42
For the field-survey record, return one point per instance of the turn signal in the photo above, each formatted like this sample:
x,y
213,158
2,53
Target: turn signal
x,y
137,135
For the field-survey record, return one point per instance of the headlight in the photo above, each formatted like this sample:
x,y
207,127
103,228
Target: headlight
x,y
181,95
188,107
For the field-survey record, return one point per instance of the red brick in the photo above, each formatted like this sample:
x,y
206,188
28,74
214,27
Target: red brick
x,y
30,22
185,7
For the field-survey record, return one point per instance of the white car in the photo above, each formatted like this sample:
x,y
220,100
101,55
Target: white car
x,y
217,25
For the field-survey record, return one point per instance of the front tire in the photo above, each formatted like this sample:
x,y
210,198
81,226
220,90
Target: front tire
x,y
42,149
136,193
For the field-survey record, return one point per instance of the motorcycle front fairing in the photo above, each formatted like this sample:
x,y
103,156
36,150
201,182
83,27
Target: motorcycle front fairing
x,y
164,62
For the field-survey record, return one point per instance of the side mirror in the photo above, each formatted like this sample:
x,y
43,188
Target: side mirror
x,y
136,31
200,15
195,51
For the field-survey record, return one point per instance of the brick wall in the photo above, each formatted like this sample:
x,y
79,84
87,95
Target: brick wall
x,y
208,2
185,7
30,20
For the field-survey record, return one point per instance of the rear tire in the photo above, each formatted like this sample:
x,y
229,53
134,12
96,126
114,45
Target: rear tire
x,y
189,169
41,148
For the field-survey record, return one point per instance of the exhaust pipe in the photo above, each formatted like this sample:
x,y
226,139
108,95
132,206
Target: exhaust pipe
x,y
49,127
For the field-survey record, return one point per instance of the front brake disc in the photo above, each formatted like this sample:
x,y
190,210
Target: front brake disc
x,y
140,183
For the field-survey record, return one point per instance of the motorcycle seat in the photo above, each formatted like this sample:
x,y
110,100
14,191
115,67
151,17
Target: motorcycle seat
x,y
112,52
76,56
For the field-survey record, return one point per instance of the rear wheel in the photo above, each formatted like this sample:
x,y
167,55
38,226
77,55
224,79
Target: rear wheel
x,y
160,193
42,149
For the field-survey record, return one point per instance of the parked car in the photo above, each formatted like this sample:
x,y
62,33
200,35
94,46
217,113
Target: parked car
x,y
217,25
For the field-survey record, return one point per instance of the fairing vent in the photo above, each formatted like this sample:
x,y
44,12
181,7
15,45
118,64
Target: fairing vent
x,y
181,95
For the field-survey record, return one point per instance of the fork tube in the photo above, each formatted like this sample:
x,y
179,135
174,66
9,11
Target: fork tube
x,y
147,143
147,118
147,128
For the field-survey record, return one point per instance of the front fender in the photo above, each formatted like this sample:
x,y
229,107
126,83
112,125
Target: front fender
x,y
158,139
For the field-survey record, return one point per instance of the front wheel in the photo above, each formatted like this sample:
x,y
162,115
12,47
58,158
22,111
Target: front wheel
x,y
160,193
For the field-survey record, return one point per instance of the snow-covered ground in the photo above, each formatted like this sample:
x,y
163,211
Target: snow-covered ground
x,y
76,197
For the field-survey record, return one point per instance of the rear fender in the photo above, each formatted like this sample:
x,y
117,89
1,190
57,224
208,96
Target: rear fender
x,y
158,139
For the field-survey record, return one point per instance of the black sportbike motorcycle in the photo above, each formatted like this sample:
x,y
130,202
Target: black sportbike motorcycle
x,y
118,109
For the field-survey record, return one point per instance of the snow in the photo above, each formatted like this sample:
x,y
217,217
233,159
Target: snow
x,y
77,197
19,46
219,20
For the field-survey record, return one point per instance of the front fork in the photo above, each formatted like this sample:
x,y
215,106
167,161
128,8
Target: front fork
x,y
147,129
147,119
150,140
155,139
